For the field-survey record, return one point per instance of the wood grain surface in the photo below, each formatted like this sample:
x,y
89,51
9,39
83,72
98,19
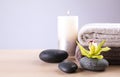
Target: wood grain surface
x,y
26,63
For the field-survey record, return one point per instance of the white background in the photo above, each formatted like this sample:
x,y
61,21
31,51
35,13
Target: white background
x,y
32,24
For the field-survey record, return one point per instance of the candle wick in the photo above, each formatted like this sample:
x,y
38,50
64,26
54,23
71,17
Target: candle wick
x,y
68,12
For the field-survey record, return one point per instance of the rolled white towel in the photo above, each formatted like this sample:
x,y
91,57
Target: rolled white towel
x,y
99,31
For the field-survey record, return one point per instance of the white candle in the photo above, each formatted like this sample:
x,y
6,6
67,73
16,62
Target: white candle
x,y
67,33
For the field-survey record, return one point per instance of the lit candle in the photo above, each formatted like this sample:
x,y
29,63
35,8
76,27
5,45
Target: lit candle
x,y
67,33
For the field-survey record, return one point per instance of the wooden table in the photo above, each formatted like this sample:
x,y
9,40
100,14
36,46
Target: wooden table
x,y
26,63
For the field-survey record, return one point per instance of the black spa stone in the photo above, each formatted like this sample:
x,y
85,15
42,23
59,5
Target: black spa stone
x,y
68,66
93,64
53,55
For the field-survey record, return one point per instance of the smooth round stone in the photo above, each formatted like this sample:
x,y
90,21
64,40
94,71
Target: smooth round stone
x,y
53,55
68,66
93,64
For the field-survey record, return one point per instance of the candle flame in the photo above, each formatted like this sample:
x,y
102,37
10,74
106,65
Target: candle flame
x,y
68,12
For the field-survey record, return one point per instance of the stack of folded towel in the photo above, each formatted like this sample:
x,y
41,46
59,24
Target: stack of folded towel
x,y
98,32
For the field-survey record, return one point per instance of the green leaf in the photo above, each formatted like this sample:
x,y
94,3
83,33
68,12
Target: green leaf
x,y
98,49
84,52
97,56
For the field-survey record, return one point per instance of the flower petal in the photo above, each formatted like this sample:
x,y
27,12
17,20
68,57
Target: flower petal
x,y
98,56
84,52
105,49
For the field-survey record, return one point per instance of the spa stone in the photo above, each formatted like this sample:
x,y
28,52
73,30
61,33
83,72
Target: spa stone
x,y
93,64
53,55
68,66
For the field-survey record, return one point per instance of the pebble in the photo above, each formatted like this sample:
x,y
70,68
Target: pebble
x,y
68,66
93,64
53,55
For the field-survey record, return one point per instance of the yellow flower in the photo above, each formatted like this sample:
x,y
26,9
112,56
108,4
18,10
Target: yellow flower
x,y
94,50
